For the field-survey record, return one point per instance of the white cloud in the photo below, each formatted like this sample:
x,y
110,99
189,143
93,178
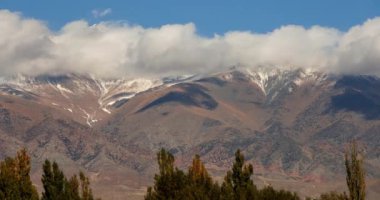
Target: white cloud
x,y
114,49
101,13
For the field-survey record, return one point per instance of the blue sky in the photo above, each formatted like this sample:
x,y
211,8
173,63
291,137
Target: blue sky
x,y
166,37
209,16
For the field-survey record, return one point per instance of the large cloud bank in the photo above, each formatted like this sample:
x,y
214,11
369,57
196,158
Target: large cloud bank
x,y
112,49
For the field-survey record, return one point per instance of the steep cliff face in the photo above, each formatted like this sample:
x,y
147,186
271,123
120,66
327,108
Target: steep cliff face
x,y
293,125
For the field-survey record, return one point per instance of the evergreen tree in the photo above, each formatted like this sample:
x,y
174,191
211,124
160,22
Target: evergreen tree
x,y
355,173
238,184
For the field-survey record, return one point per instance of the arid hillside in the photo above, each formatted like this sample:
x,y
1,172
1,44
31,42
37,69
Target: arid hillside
x,y
292,125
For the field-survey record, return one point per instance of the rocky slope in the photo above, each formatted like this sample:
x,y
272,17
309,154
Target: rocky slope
x,y
293,125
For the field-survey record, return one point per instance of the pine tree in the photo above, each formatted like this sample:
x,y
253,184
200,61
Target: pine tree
x,y
355,173
238,184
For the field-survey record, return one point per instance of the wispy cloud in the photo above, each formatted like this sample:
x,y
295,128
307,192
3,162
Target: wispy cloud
x,y
101,13
114,49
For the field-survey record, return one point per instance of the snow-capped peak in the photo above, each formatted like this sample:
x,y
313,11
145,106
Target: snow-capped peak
x,y
87,96
91,97
272,80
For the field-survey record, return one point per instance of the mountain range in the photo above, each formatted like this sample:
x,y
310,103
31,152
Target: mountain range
x,y
293,125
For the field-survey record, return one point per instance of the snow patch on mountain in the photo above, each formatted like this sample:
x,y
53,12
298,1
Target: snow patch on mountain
x,y
63,89
271,80
106,110
90,118
102,96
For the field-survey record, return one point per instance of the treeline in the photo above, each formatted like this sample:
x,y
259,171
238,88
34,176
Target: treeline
x,y
172,183
15,182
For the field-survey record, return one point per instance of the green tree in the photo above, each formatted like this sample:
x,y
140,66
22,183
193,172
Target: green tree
x,y
72,188
15,180
85,186
57,187
200,185
227,189
269,193
238,184
169,184
53,181
26,188
355,177
333,196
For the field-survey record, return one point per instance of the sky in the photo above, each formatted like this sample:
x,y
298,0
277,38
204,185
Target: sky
x,y
210,16
156,38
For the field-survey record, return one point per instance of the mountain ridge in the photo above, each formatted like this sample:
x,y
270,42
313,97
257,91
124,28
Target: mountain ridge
x,y
291,124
